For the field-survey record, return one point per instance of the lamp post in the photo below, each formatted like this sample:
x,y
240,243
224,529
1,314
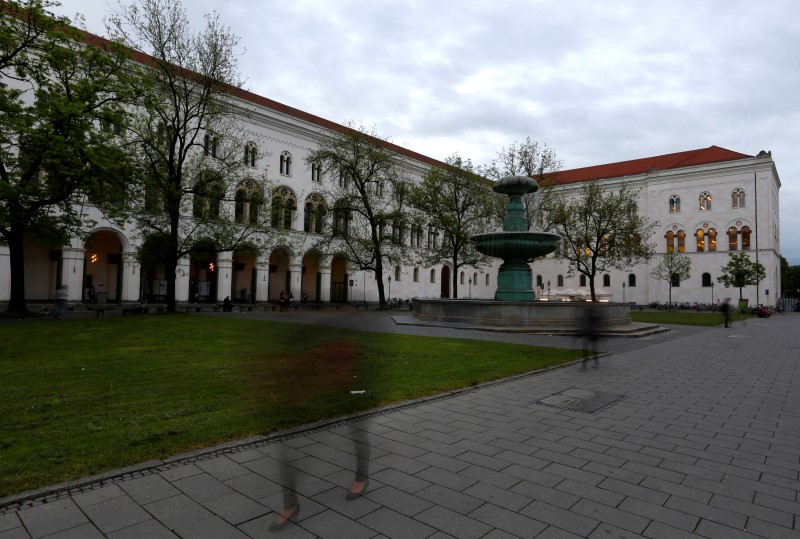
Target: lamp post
x,y
548,289
390,287
470,288
541,291
712,293
623,292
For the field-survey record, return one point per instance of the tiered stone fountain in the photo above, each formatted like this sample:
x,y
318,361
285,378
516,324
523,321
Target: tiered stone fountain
x,y
513,307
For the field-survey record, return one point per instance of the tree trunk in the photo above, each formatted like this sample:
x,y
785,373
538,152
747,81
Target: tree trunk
x,y
379,281
16,252
171,264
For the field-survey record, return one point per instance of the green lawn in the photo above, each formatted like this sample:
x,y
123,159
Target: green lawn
x,y
684,317
83,396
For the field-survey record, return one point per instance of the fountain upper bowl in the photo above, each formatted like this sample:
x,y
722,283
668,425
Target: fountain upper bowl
x,y
516,245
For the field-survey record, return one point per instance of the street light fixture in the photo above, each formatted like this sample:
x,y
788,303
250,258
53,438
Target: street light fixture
x,y
623,292
470,288
548,289
712,292
390,287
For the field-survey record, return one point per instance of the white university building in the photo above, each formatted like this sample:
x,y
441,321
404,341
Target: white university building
x,y
709,202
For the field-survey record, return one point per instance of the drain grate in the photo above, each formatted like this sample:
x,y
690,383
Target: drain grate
x,y
580,400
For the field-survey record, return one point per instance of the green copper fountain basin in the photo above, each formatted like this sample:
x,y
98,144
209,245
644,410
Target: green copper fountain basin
x,y
516,245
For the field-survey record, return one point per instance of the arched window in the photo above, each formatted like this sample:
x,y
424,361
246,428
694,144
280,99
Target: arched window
x,y
733,243
208,194
249,200
539,281
674,204
701,240
250,152
342,219
210,143
706,279
745,238
631,279
487,279
475,278
737,198
670,235
314,213
416,275
712,239
681,241
284,205
397,273
606,280
286,164
675,279
705,201
316,172
461,278
433,275
560,280
583,280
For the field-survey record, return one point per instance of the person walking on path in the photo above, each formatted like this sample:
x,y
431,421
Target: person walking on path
x,y
725,308
591,334
61,301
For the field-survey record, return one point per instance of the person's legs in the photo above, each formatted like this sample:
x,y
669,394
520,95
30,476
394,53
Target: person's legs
x,y
362,453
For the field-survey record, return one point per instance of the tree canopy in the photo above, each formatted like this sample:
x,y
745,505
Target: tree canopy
x,y
741,271
457,201
192,154
367,185
56,94
601,229
674,267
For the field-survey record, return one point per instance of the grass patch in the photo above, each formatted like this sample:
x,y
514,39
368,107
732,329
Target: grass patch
x,y
84,396
684,318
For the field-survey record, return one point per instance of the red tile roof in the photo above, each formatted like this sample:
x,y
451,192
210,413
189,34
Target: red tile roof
x,y
704,156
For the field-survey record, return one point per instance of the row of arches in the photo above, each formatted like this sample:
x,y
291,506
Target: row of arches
x,y
705,199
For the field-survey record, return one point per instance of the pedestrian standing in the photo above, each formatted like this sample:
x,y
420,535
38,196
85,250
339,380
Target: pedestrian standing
x,y
725,308
61,300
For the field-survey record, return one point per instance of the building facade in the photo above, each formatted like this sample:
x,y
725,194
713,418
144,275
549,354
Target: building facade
x,y
709,202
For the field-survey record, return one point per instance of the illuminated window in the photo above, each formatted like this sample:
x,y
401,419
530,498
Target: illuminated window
x,y
705,201
674,204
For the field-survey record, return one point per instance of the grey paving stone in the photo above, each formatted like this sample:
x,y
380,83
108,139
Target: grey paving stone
x,y
641,492
607,530
497,479
400,480
770,530
713,530
175,511
148,489
706,512
396,525
553,532
670,517
659,530
102,494
335,499
84,531
253,486
451,499
444,462
9,521
534,476
209,528
53,517
330,524
768,514
497,496
222,468
202,487
619,518
568,472
398,500
180,472
453,523
401,463
116,513
15,533
560,518
523,459
235,508
582,490
151,529
506,520
447,479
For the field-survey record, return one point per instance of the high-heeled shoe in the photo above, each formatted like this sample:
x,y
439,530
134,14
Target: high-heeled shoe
x,y
281,521
356,495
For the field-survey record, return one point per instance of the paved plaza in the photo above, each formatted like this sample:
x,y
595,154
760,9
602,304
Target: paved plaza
x,y
692,433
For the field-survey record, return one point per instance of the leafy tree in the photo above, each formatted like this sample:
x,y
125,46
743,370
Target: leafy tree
x,y
191,151
54,93
740,271
601,230
367,185
673,267
532,159
460,203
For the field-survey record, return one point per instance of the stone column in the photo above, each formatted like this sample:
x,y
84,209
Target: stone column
x,y
325,284
131,277
182,279
224,274
295,279
72,272
262,281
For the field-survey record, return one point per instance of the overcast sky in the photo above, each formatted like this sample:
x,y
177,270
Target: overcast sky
x,y
598,81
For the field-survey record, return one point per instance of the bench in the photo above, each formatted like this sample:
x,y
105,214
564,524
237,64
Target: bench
x,y
242,307
362,305
135,309
196,308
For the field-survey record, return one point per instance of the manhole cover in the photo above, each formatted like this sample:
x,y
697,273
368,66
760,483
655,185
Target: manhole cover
x,y
581,400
